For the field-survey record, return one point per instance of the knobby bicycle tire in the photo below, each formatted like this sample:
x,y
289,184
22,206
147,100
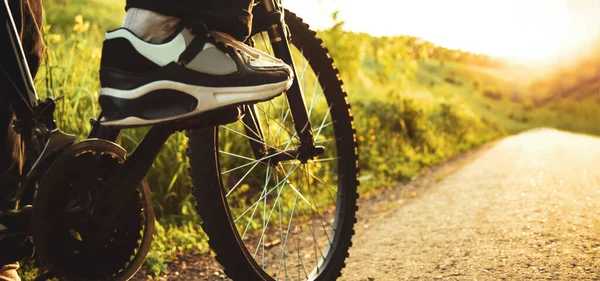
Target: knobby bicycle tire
x,y
227,239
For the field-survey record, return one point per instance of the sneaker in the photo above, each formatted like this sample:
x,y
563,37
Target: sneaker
x,y
146,84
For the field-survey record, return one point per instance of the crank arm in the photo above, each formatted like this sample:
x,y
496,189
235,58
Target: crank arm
x,y
116,192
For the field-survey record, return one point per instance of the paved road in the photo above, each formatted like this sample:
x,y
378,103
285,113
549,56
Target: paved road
x,y
526,209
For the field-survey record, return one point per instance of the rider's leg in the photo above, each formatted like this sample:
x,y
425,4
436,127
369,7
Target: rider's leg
x,y
151,26
177,59
229,16
28,18
10,171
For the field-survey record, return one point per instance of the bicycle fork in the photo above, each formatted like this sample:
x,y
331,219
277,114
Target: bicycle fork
x,y
295,98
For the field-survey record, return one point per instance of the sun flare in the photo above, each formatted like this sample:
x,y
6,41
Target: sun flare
x,y
531,30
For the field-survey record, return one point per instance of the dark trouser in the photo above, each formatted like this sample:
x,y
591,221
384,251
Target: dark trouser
x,y
28,18
229,16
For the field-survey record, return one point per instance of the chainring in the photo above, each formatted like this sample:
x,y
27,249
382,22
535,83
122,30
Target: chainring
x,y
62,211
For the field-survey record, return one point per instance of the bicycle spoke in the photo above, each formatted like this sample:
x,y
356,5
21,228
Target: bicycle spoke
x,y
242,179
313,101
323,123
287,234
314,209
246,136
298,192
323,183
282,126
253,161
254,211
285,116
261,198
304,69
238,156
251,130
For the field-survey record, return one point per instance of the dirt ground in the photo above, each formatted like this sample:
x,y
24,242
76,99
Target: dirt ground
x,y
523,208
526,209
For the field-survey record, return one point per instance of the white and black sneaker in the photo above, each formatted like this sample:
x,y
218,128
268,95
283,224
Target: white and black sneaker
x,y
146,84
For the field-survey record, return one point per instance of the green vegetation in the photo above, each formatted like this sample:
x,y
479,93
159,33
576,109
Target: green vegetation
x,y
415,105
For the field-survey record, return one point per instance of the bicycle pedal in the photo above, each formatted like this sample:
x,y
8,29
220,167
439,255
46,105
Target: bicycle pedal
x,y
217,117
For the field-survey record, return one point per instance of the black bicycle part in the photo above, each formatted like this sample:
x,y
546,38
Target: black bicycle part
x,y
254,131
62,217
101,132
270,19
210,191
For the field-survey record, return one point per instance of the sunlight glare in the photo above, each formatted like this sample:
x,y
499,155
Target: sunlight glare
x,y
531,30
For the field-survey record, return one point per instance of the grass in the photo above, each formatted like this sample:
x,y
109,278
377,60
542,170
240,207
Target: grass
x,y
102,14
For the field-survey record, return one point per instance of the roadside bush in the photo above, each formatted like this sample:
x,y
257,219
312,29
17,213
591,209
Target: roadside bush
x,y
399,136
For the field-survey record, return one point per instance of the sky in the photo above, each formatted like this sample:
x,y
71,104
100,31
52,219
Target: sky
x,y
533,30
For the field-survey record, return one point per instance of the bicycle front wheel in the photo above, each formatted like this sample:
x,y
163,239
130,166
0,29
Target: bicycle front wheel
x,y
292,220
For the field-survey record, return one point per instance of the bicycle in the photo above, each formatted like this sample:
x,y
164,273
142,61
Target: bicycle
x,y
277,198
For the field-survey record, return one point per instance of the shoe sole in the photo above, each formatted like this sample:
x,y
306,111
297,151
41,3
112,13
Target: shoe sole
x,y
209,98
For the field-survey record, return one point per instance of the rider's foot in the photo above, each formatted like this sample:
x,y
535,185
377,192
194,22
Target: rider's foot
x,y
145,83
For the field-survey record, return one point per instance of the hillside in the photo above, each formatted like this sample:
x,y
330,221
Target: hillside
x,y
566,98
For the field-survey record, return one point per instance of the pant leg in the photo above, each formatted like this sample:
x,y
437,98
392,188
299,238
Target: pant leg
x,y
230,16
28,18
